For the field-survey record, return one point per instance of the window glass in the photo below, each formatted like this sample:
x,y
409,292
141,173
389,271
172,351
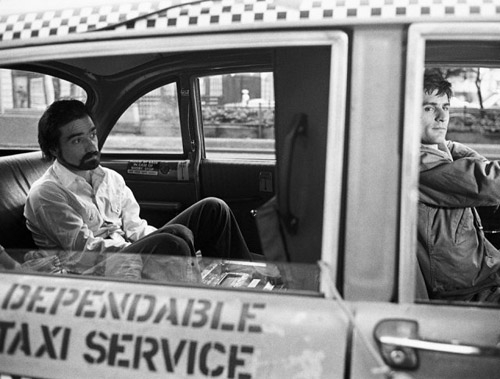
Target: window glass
x,y
150,125
475,108
238,115
474,121
209,272
23,98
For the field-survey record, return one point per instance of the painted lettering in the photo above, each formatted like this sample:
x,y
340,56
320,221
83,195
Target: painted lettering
x,y
204,359
94,345
246,315
49,343
6,301
65,298
19,338
87,301
139,308
235,360
4,328
22,294
183,357
38,297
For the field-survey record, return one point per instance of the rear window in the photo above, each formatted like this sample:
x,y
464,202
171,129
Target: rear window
x,y
150,125
24,96
238,115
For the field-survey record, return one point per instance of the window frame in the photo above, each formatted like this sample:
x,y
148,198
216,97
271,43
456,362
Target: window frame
x,y
115,44
418,35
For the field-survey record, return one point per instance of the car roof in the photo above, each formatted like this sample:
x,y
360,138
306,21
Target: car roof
x,y
57,18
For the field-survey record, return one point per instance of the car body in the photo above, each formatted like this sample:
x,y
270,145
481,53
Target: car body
x,y
337,141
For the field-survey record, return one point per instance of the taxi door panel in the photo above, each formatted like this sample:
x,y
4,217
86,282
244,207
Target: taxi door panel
x,y
428,341
105,329
302,101
244,186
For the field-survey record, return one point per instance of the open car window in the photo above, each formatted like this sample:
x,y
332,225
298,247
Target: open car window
x,y
24,95
238,115
150,125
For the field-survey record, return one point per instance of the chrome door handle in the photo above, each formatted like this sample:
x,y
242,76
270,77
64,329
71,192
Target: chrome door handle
x,y
399,341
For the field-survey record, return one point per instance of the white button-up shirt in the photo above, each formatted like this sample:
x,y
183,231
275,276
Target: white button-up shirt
x,y
63,211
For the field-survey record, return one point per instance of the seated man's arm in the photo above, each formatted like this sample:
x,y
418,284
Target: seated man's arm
x,y
6,261
134,226
459,151
466,182
56,224
129,211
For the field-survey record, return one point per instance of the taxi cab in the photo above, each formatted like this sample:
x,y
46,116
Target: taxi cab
x,y
303,116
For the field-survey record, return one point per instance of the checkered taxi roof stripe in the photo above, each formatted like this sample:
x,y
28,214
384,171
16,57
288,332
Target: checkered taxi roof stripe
x,y
180,14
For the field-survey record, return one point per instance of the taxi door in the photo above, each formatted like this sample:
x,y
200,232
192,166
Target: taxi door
x,y
55,326
52,327
412,336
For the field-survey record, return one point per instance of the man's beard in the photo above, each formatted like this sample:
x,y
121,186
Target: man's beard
x,y
89,161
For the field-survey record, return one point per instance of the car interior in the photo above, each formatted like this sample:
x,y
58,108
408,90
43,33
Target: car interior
x,y
112,86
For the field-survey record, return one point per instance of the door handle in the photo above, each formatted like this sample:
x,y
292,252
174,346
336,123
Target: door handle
x,y
399,342
299,128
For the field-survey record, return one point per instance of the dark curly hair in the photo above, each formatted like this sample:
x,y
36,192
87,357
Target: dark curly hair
x,y
59,113
434,80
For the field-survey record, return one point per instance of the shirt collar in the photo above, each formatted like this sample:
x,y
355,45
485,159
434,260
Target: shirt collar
x,y
68,177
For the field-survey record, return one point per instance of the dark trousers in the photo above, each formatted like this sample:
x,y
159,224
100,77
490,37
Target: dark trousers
x,y
208,225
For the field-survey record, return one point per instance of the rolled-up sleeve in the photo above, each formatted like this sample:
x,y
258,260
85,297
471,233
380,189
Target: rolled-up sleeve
x,y
121,207
135,227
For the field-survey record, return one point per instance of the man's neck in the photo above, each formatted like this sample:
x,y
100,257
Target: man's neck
x,y
85,174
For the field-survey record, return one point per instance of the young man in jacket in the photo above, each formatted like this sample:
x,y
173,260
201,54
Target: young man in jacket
x,y
78,206
456,260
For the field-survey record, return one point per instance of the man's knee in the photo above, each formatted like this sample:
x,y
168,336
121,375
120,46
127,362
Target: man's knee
x,y
168,244
180,231
215,204
177,230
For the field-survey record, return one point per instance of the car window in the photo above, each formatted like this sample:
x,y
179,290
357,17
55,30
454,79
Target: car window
x,y
238,115
24,96
150,125
474,122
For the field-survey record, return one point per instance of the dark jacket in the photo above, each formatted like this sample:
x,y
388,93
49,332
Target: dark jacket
x,y
456,259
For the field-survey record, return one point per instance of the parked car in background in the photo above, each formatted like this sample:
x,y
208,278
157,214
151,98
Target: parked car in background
x,y
315,104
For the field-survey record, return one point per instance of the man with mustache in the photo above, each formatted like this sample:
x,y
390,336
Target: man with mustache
x,y
456,260
79,206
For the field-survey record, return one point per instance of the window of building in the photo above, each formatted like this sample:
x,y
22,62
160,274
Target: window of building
x,y
149,125
238,115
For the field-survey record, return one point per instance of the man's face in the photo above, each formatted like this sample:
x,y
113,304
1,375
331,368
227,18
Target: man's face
x,y
435,118
78,145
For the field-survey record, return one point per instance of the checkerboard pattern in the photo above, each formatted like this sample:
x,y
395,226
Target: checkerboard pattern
x,y
169,14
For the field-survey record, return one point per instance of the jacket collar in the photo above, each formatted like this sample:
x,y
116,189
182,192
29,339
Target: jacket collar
x,y
442,151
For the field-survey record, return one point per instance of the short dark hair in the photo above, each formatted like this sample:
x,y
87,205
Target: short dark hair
x,y
59,113
434,81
